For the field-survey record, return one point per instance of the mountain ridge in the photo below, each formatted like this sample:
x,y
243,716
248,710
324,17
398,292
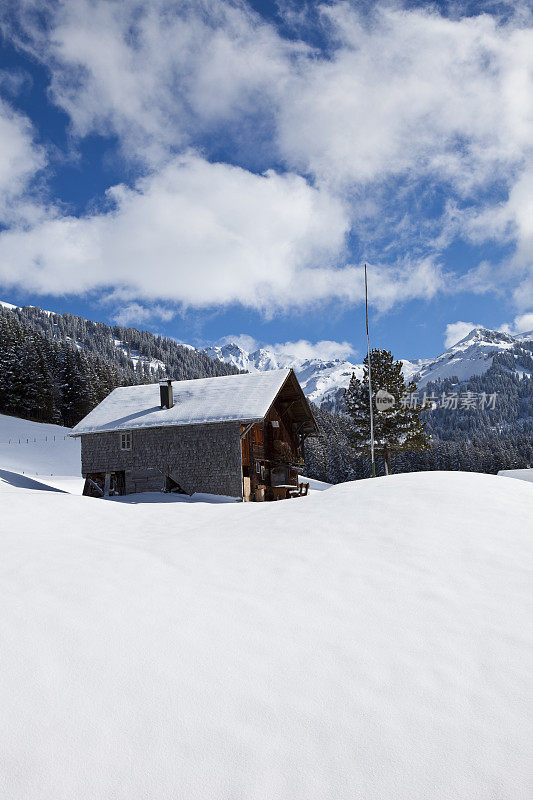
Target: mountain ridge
x,y
324,380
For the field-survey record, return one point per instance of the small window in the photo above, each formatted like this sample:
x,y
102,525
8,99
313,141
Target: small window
x,y
125,441
257,467
275,423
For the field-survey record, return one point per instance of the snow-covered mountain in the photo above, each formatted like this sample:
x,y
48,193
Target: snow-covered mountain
x,y
473,355
324,381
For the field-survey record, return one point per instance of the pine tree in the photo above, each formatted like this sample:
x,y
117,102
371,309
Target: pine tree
x,y
39,389
397,428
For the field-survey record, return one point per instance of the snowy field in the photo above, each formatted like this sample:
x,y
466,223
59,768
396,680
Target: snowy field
x,y
373,640
43,452
520,474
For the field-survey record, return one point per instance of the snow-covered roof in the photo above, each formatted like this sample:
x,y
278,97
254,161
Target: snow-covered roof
x,y
245,398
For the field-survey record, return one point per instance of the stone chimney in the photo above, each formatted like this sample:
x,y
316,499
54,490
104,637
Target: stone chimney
x,y
165,389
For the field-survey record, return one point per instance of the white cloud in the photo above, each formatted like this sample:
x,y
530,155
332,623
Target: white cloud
x,y
422,279
399,91
405,95
195,233
20,160
411,92
411,106
14,81
136,313
523,323
200,234
154,73
510,222
325,350
455,331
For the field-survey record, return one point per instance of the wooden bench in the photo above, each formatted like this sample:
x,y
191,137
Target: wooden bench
x,y
300,491
287,490
282,491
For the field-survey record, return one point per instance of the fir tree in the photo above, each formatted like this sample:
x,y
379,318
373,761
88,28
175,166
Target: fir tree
x,y
397,428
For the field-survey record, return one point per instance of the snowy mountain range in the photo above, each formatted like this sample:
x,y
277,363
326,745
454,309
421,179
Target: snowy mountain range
x,y
324,381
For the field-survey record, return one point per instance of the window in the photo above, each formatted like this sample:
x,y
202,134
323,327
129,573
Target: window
x,y
125,441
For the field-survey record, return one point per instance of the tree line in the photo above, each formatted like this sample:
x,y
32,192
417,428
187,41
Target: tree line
x,y
57,370
471,439
332,458
58,367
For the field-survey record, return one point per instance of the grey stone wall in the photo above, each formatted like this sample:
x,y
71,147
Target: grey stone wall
x,y
202,458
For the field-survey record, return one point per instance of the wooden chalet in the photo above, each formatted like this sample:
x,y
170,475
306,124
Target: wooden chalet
x,y
236,435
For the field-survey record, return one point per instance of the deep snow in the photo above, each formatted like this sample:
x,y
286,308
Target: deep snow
x,y
521,474
38,449
373,641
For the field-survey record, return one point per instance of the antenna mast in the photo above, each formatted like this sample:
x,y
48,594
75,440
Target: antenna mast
x,y
370,384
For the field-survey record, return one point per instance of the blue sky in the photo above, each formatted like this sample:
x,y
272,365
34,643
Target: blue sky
x,y
218,169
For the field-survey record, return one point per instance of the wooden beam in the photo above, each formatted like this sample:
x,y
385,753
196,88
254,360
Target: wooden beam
x,y
95,486
247,429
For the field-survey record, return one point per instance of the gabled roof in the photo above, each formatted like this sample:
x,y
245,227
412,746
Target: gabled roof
x,y
242,398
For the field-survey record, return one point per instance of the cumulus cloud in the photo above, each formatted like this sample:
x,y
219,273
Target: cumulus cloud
x,y
398,91
325,350
20,161
402,103
409,104
523,323
455,331
134,313
195,233
200,234
154,74
411,91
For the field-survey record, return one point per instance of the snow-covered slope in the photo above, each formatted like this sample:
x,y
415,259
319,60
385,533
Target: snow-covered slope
x,y
122,347
519,474
473,355
324,381
372,641
37,449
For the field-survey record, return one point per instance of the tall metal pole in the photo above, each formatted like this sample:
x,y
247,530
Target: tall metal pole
x,y
370,383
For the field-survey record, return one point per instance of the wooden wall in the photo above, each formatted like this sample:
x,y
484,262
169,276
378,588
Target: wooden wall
x,y
202,458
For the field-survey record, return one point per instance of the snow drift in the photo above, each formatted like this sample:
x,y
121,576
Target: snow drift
x,y
373,641
520,474
37,448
